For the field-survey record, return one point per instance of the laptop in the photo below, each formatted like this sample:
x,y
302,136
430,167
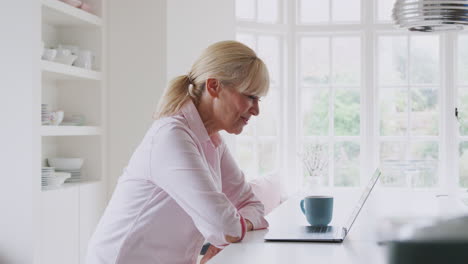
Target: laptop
x,y
334,234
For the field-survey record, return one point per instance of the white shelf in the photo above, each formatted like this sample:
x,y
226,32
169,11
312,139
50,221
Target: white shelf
x,y
71,185
70,130
58,13
58,71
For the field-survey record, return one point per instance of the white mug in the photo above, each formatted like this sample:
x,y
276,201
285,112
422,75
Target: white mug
x,y
49,54
85,59
62,52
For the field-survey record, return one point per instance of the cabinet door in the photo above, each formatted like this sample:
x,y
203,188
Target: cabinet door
x,y
92,202
59,232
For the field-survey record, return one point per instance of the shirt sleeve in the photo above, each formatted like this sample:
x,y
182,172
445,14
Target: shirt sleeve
x,y
240,192
179,169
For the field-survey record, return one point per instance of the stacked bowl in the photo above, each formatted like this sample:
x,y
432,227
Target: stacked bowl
x,y
68,165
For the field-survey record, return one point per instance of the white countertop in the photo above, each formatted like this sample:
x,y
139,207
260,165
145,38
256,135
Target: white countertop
x,y
360,246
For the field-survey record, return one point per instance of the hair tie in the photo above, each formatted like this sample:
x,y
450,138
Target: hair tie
x,y
190,90
189,79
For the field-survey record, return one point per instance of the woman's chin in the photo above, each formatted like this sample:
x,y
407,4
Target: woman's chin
x,y
236,130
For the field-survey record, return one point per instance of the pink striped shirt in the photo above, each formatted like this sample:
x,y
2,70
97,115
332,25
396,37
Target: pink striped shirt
x,y
180,187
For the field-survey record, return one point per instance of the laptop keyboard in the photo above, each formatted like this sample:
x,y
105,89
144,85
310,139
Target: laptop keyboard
x,y
320,229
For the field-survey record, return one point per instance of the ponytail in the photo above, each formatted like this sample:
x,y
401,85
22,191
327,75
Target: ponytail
x,y
174,97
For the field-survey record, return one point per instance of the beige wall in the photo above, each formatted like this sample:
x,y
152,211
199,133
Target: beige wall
x,y
150,43
137,75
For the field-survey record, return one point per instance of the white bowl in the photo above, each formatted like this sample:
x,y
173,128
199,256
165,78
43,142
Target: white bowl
x,y
56,181
66,59
65,163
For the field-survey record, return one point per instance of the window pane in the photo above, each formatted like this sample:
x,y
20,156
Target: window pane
x,y
424,108
245,9
393,60
384,10
347,107
249,128
315,159
313,11
346,10
419,170
392,158
393,105
314,60
463,164
346,60
268,11
315,104
247,39
424,158
347,164
269,51
267,157
463,111
245,156
424,60
267,122
463,59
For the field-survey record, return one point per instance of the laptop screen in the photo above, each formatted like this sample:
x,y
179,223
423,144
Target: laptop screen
x,y
362,200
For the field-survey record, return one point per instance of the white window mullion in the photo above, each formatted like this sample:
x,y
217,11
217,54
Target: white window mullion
x,y
449,124
291,135
368,139
408,97
331,111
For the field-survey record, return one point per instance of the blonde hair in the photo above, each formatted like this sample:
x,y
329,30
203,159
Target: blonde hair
x,y
231,62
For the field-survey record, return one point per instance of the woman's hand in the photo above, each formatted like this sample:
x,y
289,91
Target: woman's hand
x,y
210,252
249,225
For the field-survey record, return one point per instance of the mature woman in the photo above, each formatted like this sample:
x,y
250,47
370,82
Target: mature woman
x,y
182,186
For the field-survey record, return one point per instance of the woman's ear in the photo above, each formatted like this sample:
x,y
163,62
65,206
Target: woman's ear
x,y
213,87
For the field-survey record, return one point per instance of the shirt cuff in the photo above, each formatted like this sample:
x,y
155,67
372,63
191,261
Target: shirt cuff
x,y
258,221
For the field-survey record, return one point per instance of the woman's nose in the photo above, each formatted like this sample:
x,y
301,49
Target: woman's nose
x,y
255,109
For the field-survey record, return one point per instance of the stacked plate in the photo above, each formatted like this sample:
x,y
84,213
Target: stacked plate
x,y
72,166
74,120
51,179
45,114
75,175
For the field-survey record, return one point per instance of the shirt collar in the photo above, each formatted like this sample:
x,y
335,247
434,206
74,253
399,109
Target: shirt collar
x,y
195,123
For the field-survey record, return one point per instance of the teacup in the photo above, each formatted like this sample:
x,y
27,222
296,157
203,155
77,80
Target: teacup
x,y
49,54
56,117
318,209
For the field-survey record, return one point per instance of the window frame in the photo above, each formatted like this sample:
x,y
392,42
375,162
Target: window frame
x,y
370,28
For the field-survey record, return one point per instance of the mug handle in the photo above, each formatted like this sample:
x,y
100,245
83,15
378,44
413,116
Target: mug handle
x,y
302,206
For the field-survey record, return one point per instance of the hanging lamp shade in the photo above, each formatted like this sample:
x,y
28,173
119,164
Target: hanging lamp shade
x,y
431,15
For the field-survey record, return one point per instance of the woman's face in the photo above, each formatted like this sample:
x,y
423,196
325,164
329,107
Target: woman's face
x,y
235,109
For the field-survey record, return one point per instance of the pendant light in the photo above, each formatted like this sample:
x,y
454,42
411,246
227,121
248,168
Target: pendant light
x,y
431,15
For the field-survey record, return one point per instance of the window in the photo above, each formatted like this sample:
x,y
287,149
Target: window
x,y
259,144
344,78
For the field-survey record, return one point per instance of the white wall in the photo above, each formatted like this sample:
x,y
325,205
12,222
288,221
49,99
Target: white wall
x,y
192,26
137,72
149,41
20,119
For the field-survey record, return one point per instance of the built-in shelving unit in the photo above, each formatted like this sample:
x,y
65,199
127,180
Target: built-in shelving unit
x,y
56,71
70,212
58,13
70,131
72,185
